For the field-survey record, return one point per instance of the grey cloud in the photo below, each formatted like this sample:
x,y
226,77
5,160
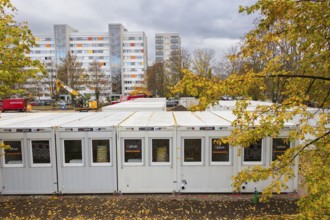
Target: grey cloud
x,y
195,20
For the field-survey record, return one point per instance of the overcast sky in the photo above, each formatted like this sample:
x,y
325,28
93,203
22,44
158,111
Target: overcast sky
x,y
212,24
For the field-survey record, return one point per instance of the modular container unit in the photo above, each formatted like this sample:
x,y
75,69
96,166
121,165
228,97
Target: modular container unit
x,y
263,153
87,153
147,157
206,165
29,167
141,104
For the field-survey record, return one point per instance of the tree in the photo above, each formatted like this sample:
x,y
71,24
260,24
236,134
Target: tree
x,y
98,80
203,62
156,80
141,90
180,59
71,72
299,75
16,40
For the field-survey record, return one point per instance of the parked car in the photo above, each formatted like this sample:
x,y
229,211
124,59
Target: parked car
x,y
171,102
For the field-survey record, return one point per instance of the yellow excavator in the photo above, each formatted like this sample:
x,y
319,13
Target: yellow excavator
x,y
86,106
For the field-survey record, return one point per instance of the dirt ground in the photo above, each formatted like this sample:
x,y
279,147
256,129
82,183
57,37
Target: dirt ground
x,y
150,206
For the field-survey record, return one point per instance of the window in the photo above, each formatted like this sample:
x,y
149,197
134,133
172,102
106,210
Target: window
x,y
72,152
220,152
280,145
160,150
133,151
192,151
40,152
101,151
253,153
13,156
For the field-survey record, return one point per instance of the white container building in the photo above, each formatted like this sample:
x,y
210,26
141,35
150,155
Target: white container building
x,y
29,167
86,153
146,153
128,152
139,104
205,166
263,153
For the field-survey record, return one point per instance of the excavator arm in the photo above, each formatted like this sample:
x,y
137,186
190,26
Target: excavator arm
x,y
59,84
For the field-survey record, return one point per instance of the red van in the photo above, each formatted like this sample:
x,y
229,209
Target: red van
x,y
19,104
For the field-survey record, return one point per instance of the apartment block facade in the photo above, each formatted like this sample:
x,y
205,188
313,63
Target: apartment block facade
x,y
122,56
165,45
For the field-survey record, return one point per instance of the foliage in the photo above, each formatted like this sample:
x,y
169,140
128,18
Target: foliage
x,y
71,72
97,80
203,62
140,90
143,207
178,60
156,80
287,58
15,41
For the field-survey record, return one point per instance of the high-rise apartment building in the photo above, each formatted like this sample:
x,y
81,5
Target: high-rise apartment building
x,y
165,45
122,56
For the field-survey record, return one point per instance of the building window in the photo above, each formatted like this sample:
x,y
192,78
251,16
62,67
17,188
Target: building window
x,y
219,152
133,151
101,151
280,145
73,152
253,153
13,156
40,152
192,151
160,151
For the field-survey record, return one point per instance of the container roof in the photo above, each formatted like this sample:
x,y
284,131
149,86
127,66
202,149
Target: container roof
x,y
149,119
12,118
44,120
99,119
200,119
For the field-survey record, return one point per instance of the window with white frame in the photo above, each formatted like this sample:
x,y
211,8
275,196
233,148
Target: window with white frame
x,y
160,151
192,151
219,151
13,156
133,151
40,152
253,153
101,152
73,152
280,145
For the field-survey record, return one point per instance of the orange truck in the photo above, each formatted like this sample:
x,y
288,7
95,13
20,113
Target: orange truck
x,y
18,104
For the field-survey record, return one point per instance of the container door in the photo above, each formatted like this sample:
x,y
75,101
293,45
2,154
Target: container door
x,y
146,162
206,164
87,162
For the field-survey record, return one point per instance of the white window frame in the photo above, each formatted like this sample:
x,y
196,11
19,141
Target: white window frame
x,y
170,152
262,162
201,163
272,147
82,153
4,155
142,152
50,153
224,163
107,164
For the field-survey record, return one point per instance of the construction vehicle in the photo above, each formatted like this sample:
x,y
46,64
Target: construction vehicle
x,y
85,106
